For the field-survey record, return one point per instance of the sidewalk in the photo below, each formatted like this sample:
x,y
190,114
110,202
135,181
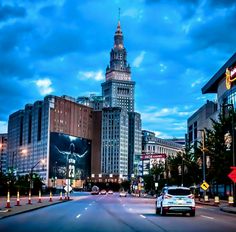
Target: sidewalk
x,y
24,206
223,205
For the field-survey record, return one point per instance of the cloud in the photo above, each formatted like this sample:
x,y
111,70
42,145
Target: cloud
x,y
197,82
44,86
91,75
133,13
7,11
3,127
138,60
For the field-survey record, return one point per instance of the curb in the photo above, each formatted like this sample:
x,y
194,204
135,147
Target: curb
x,y
32,209
224,209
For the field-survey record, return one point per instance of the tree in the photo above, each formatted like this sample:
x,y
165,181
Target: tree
x,y
220,157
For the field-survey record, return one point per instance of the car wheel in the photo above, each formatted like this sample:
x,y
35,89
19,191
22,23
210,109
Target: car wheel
x,y
192,214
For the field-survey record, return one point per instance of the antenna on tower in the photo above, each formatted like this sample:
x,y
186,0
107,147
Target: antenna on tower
x,y
118,14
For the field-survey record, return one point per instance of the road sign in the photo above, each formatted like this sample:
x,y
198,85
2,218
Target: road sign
x,y
232,175
67,188
204,185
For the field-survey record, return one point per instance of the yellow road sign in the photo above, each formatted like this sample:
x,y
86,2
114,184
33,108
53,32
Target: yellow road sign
x,y
204,185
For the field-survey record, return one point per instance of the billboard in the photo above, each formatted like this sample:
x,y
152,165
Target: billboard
x,y
70,157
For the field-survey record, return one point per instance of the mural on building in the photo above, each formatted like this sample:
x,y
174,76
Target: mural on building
x,y
70,157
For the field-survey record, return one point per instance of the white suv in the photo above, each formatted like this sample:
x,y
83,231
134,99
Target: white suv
x,y
175,200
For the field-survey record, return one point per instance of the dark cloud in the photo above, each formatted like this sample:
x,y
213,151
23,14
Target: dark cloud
x,y
222,3
14,43
14,94
8,11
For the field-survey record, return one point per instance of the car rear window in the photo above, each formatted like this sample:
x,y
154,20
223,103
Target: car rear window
x,y
179,191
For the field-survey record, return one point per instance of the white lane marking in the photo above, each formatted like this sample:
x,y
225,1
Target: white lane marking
x,y
90,204
78,215
130,208
142,216
123,204
86,208
208,217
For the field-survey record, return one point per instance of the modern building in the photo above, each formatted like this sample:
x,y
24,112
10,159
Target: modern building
x,y
201,119
49,134
121,125
156,150
3,153
223,84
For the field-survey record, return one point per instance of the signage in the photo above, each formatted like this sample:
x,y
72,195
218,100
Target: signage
x,y
230,76
232,175
67,188
153,156
205,185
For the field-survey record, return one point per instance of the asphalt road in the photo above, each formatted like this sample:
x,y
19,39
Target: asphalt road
x,y
110,213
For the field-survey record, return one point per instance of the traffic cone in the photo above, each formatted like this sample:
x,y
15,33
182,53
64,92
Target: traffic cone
x,y
40,200
18,199
8,200
29,198
60,196
65,196
50,199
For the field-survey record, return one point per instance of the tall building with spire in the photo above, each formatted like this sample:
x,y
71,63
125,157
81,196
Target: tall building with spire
x,y
121,126
118,89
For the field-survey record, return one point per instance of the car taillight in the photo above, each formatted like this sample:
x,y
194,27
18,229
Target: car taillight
x,y
167,196
191,196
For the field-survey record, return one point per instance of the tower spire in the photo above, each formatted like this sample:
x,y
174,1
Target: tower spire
x,y
119,14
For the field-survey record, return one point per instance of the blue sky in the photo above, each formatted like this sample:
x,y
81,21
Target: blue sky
x,y
62,47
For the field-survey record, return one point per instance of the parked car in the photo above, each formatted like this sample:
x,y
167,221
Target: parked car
x,y
175,200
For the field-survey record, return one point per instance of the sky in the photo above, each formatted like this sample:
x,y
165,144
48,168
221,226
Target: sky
x,y
62,47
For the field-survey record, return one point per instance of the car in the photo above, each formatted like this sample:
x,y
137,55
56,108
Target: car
x,y
174,199
103,192
123,193
110,192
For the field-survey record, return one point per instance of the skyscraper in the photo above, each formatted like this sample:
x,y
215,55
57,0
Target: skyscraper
x,y
121,126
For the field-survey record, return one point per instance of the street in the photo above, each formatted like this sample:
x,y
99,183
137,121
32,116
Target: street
x,y
105,213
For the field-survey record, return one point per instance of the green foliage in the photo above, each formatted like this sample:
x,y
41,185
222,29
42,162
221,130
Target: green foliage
x,y
220,157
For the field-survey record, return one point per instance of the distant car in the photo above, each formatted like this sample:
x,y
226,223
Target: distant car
x,y
123,193
110,192
103,192
175,200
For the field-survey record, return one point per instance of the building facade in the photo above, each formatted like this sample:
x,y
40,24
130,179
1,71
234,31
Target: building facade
x,y
155,150
3,153
46,135
201,119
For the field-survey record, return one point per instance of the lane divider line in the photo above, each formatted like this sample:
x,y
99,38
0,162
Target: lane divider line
x,y
142,216
78,215
207,217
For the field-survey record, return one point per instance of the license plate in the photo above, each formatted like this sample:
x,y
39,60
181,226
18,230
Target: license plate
x,y
180,202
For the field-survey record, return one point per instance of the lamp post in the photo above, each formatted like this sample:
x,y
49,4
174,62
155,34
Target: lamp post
x,y
203,136
231,108
31,172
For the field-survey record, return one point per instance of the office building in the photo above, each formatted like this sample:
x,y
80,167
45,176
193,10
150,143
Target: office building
x,y
46,135
121,126
3,153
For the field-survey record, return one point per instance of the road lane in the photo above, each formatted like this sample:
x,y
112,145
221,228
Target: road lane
x,y
111,213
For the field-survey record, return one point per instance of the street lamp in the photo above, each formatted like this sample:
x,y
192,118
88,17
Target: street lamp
x,y
231,140
31,171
